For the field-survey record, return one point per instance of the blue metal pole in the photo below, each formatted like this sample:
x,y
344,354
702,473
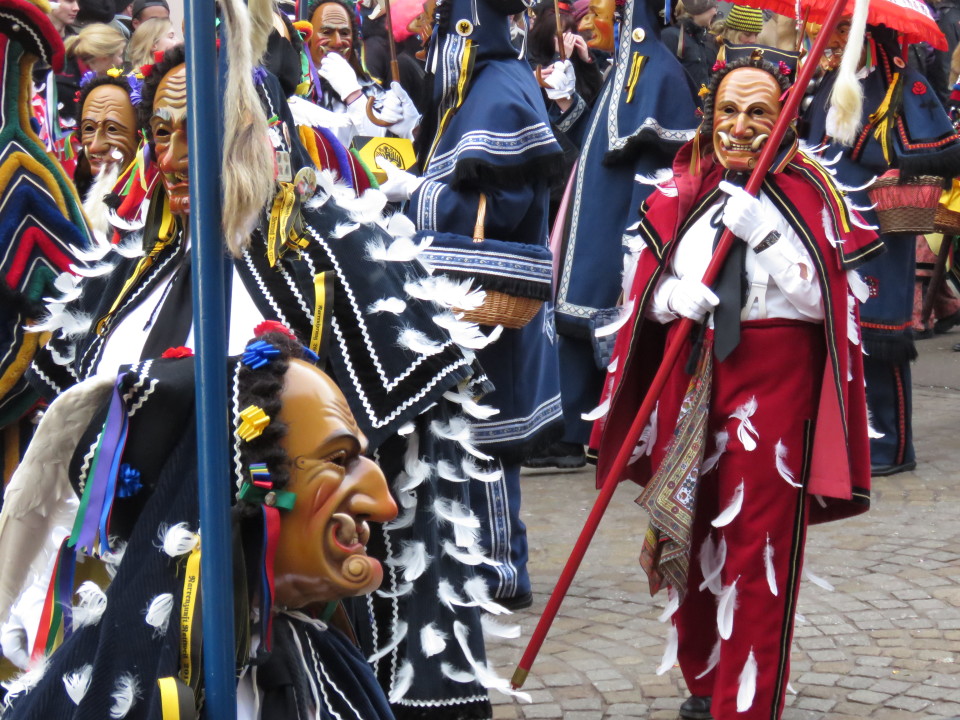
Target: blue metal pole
x,y
205,131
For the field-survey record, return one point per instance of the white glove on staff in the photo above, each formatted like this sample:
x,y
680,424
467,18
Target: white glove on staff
x,y
561,81
689,298
400,184
339,73
745,215
409,116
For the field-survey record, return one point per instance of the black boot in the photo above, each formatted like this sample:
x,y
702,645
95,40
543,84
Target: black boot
x,y
696,707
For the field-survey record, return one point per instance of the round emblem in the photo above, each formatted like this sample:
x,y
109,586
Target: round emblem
x,y
898,61
464,28
638,35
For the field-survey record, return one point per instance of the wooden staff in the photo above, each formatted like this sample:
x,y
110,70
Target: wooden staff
x,y
670,356
394,67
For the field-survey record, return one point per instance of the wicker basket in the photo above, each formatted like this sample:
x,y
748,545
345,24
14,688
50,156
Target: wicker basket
x,y
947,221
906,206
499,308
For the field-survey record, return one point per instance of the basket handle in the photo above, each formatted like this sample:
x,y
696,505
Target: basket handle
x,y
478,228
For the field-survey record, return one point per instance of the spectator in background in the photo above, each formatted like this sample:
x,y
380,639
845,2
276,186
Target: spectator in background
x,y
97,47
690,40
742,25
144,10
151,36
63,15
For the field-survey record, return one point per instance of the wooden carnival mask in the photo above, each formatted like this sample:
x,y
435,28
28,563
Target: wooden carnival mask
x,y
108,127
320,553
168,126
597,25
746,108
332,32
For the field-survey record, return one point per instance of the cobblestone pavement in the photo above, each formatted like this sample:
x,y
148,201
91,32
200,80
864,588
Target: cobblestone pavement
x,y
884,644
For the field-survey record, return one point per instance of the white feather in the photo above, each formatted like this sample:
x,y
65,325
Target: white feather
x,y
402,249
132,245
446,471
484,674
818,581
670,651
95,254
125,693
367,208
470,406
413,559
458,430
611,328
402,589
598,412
655,178
447,595
859,288
470,557
790,689
92,271
125,225
404,519
495,629
720,440
399,225
402,682
158,613
853,329
465,334
780,451
389,305
178,539
113,557
446,292
673,603
343,229
93,603
748,683
800,619
460,676
746,432
648,438
479,596
768,566
415,474
712,660
77,683
476,473
25,682
406,429
712,559
432,640
725,609
820,501
399,633
732,510
861,224
612,367
417,342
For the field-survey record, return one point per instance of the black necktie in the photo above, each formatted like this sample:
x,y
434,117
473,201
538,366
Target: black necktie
x,y
172,323
731,288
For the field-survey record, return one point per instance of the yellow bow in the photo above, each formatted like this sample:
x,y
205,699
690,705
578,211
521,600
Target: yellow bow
x,y
253,421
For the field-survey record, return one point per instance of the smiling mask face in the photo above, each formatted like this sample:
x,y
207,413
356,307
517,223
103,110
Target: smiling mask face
x,y
746,109
320,554
168,126
108,127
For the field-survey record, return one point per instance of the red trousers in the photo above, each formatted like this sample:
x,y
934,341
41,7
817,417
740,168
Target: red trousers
x,y
780,363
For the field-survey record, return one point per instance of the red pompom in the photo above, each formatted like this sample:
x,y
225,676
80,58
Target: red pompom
x,y
268,326
919,88
146,70
177,352
719,65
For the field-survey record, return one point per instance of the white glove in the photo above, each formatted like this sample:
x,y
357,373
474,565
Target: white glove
x,y
390,107
400,184
409,116
561,81
341,76
745,215
690,298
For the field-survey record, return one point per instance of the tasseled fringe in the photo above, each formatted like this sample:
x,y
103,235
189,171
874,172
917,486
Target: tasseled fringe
x,y
725,608
746,433
471,406
732,510
399,633
780,452
413,560
818,581
768,566
495,629
673,604
670,651
77,682
720,439
712,660
712,559
178,540
392,305
125,694
92,605
432,640
402,682
158,613
402,589
597,413
748,683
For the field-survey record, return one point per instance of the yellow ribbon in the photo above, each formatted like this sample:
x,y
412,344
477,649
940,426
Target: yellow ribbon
x,y
188,607
253,422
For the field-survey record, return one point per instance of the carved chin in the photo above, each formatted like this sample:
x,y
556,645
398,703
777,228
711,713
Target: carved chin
x,y
735,155
361,575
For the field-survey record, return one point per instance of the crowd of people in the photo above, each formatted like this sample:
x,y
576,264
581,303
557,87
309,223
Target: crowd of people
x,y
487,222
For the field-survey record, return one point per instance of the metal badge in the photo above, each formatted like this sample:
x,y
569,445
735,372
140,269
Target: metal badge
x,y
284,171
638,35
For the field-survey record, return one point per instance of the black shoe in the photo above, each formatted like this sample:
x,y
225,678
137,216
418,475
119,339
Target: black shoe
x,y
567,456
696,707
885,470
923,334
948,323
517,602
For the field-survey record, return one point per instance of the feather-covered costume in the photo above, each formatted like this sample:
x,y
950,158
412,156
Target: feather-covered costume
x,y
742,455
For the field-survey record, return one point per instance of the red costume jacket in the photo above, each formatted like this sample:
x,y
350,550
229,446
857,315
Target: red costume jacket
x,y
806,196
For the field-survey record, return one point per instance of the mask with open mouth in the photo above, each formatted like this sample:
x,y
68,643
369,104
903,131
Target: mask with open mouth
x,y
745,110
168,126
321,553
